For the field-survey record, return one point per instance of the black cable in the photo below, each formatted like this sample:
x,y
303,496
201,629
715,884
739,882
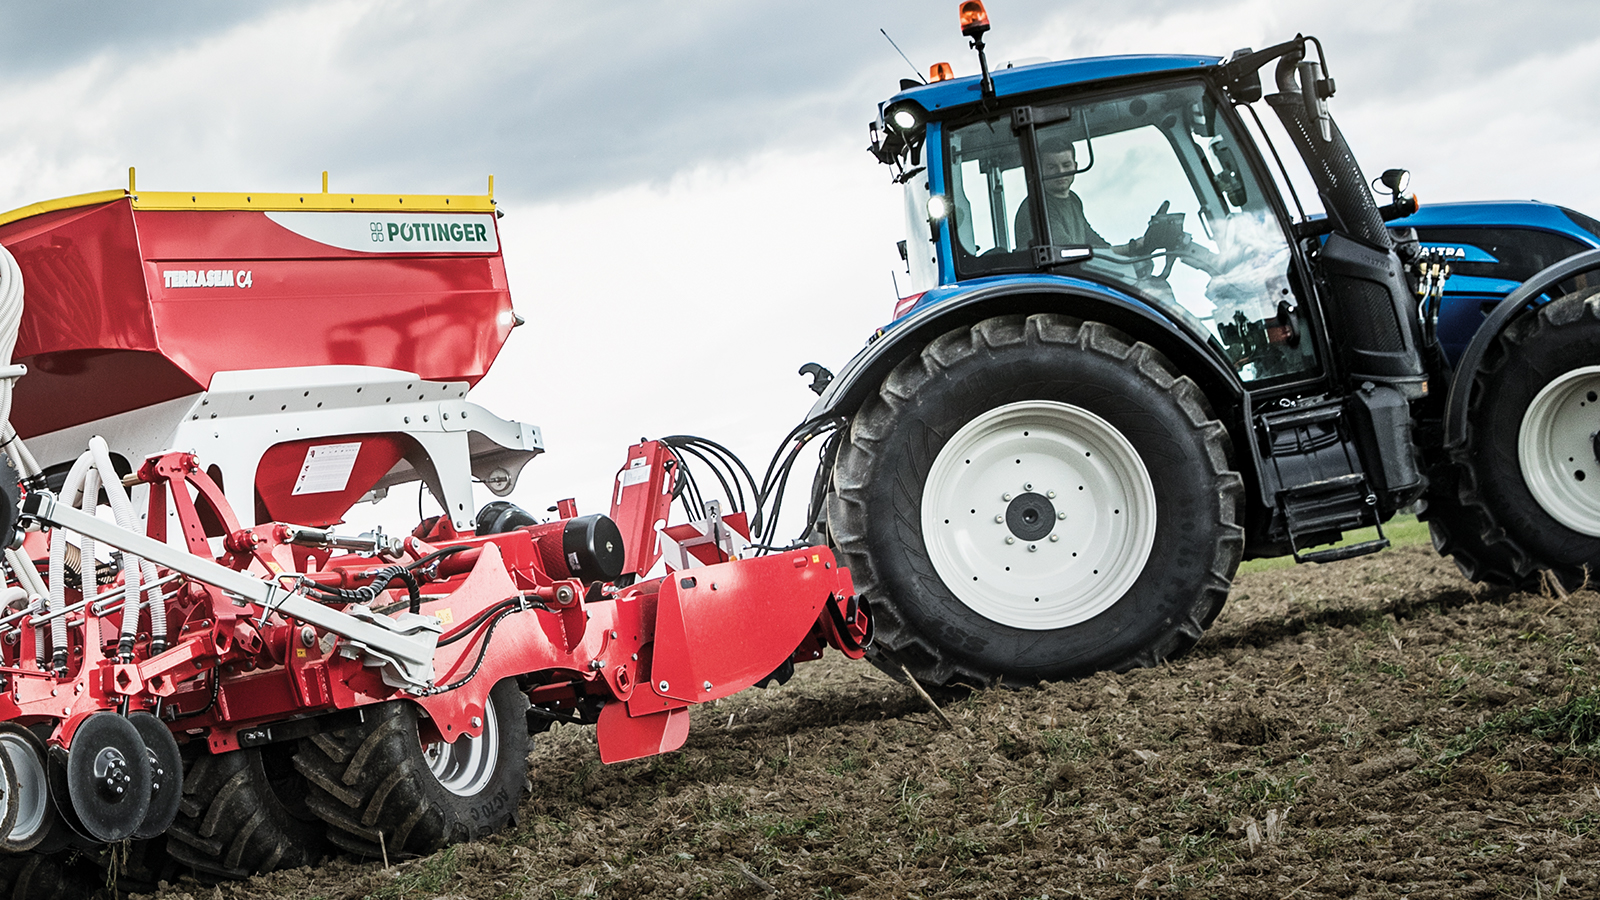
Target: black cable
x,y
436,555
469,626
727,490
482,653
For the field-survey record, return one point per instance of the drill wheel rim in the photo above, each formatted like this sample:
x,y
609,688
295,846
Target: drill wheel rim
x,y
467,765
1559,452
35,814
1051,460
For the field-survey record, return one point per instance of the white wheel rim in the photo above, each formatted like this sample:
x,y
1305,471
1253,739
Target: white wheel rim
x,y
465,766
31,797
1557,449
1095,492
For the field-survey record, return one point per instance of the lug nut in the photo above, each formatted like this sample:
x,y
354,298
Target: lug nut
x,y
1054,538
1061,515
1050,494
1005,496
1010,540
999,520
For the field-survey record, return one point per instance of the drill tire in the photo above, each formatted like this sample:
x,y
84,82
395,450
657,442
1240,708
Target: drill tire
x,y
243,813
875,511
373,787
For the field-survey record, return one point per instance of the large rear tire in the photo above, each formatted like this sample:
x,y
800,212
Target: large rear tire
x,y
244,813
1036,498
1522,494
379,779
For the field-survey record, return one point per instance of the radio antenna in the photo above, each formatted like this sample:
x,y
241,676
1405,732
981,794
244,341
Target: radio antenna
x,y
903,56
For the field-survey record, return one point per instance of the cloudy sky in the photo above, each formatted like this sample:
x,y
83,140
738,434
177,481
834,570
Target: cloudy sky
x,y
690,213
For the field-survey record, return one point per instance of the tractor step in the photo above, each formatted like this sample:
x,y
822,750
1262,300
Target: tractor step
x,y
1333,504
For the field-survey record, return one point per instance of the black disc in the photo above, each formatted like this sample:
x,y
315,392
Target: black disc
x,y
108,777
29,793
166,774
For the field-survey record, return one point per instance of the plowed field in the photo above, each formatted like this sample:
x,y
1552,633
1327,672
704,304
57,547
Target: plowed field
x,y
1376,727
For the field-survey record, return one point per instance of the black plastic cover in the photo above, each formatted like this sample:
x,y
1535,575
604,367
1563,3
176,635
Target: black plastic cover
x,y
593,548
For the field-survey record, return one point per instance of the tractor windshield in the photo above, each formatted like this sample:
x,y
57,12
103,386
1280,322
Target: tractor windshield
x,y
1151,183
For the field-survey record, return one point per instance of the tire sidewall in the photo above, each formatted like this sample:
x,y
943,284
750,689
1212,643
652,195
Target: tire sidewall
x,y
1144,411
1534,352
491,807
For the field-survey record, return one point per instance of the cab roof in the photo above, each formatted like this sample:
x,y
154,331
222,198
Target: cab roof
x,y
957,92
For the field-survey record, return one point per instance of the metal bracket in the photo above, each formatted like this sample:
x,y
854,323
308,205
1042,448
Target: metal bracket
x,y
403,646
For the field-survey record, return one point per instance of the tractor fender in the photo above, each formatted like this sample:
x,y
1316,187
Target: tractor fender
x,y
1455,419
1183,343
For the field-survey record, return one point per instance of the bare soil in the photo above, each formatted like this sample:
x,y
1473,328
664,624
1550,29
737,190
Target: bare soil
x,y
1376,727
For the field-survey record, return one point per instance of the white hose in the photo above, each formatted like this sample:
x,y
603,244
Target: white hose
x,y
10,323
132,566
57,598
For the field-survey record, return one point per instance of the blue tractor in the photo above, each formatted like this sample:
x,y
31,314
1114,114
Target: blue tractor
x,y
1129,359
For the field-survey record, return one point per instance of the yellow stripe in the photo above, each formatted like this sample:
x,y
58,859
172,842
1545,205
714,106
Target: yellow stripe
x,y
270,202
44,206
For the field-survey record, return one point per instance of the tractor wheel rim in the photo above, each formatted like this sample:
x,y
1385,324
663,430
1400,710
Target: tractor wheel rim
x,y
1069,492
1559,451
465,766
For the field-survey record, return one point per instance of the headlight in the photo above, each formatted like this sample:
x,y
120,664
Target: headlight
x,y
904,119
938,207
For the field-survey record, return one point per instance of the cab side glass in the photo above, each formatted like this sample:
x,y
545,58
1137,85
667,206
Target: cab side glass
x,y
1154,183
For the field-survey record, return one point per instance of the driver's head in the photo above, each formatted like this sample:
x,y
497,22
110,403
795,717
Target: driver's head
x,y
1058,164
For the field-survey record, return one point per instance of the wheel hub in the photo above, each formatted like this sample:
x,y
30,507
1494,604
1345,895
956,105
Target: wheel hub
x,y
1030,516
1038,515
1558,449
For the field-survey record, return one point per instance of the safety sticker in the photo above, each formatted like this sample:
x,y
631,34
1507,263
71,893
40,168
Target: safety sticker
x,y
327,468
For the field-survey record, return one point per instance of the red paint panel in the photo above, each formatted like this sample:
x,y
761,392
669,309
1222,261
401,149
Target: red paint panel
x,y
96,282
280,468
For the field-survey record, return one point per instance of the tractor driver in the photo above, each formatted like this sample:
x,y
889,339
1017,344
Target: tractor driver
x,y
1058,165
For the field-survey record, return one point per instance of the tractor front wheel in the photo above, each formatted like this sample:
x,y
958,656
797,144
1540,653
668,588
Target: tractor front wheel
x,y
1036,498
1521,496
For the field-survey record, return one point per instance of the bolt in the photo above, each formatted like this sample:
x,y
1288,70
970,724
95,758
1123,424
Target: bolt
x,y
634,657
1054,538
477,722
1050,494
308,635
1061,515
1010,539
707,685
999,520
1028,486
1005,496
597,664
662,686
613,635
1033,548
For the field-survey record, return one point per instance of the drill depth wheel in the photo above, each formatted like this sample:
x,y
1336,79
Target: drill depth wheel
x,y
28,792
108,777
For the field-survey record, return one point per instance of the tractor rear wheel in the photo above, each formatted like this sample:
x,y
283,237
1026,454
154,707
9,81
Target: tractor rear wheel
x,y
244,813
1036,498
1522,494
381,791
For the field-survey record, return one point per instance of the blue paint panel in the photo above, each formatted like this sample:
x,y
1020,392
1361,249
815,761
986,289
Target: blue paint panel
x,y
1461,252
947,292
934,150
1503,214
963,91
